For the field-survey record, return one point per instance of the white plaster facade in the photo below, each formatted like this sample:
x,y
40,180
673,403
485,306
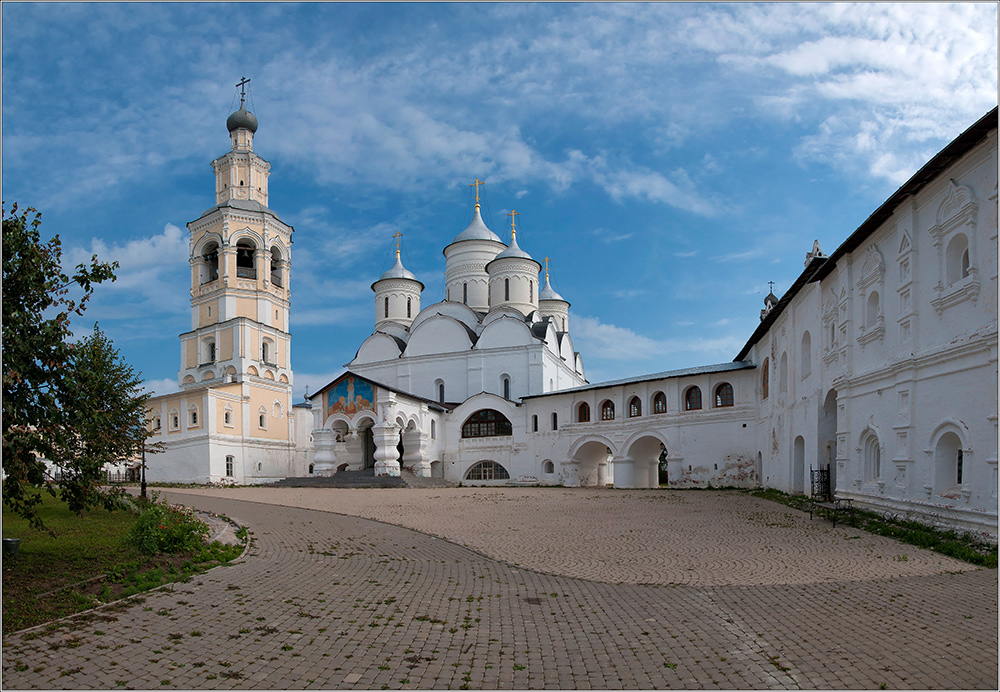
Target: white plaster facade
x,y
879,361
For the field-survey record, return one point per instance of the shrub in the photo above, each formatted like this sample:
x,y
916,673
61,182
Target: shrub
x,y
163,528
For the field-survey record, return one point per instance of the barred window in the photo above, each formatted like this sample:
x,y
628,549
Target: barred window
x,y
486,423
487,471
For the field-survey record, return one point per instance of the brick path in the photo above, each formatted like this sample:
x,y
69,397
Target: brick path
x,y
324,600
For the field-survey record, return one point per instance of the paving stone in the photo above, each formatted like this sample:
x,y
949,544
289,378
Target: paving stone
x,y
641,578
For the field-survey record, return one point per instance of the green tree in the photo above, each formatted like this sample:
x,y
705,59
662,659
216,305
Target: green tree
x,y
112,426
41,401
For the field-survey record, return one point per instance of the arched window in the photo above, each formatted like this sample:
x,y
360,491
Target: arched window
x,y
805,355
227,417
409,308
783,373
487,471
192,415
871,314
608,410
583,413
548,467
956,259
312,468
441,392
210,257
765,378
267,351
433,430
692,399
465,294
949,459
505,382
534,424
386,311
659,403
724,395
245,252
156,424
872,458
276,275
506,289
531,291
209,353
555,420
486,423
634,407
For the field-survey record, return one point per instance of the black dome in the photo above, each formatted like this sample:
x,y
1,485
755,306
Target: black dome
x,y
242,118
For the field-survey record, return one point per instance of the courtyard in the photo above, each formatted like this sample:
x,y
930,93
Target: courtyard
x,y
472,588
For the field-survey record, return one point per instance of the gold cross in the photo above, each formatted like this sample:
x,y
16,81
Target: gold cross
x,y
546,260
397,235
513,222
476,185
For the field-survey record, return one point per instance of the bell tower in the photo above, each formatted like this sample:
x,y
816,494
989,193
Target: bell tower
x,y
240,256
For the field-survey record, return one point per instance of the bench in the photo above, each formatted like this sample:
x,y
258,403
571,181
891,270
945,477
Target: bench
x,y
832,508
821,498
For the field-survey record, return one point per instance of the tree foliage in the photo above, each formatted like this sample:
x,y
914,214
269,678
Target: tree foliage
x,y
56,403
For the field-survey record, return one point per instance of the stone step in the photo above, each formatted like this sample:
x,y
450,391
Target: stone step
x,y
364,478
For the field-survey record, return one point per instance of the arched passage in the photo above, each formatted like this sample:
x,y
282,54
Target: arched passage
x,y
591,461
644,451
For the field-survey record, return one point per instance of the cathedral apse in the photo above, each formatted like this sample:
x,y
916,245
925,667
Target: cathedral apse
x,y
350,395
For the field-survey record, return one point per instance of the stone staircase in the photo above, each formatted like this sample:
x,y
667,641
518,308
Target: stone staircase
x,y
364,478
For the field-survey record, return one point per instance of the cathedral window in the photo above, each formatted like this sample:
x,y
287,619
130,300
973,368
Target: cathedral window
x,y
872,457
534,424
441,392
783,373
156,424
659,403
230,463
465,294
192,416
175,420
871,314
227,418
506,289
692,399
583,413
409,308
634,407
957,259
724,395
555,420
487,471
805,355
765,378
506,387
262,418
608,410
245,267
210,351
531,291
487,423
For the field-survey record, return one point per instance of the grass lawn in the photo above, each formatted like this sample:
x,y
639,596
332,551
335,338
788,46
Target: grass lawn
x,y
86,563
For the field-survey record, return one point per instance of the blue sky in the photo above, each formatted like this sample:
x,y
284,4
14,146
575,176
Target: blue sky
x,y
671,159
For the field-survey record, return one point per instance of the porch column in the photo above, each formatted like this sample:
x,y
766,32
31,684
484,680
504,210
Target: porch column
x,y
352,447
386,455
415,453
624,472
324,463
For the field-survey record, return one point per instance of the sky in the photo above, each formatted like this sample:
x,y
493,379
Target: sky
x,y
670,158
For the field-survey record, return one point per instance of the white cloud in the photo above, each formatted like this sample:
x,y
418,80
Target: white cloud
x,y
602,340
160,387
152,277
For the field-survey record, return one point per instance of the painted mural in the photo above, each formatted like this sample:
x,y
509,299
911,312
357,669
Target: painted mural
x,y
350,395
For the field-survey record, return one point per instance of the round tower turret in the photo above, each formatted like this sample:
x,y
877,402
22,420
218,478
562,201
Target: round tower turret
x,y
551,304
397,295
514,277
466,280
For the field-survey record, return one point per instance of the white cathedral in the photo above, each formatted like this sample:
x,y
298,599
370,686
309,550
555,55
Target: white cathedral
x,y
879,363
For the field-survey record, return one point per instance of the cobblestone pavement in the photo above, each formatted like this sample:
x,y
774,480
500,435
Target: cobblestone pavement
x,y
323,600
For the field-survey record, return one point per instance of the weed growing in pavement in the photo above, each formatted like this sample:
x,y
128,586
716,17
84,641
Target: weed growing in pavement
x,y
961,546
